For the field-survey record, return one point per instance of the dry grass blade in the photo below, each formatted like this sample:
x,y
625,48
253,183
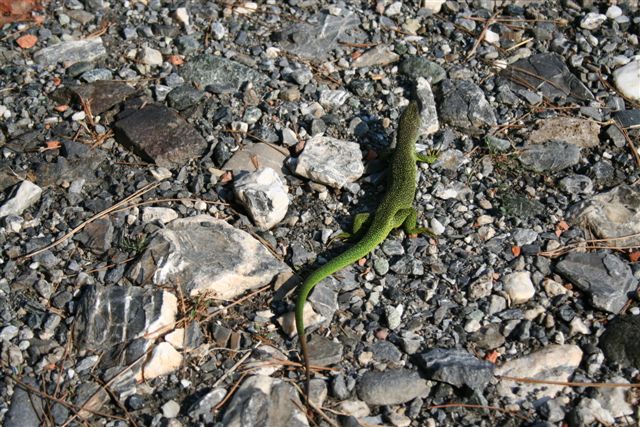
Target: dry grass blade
x,y
471,406
99,215
314,407
591,244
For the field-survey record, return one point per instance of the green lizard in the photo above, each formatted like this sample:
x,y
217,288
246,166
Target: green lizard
x,y
395,210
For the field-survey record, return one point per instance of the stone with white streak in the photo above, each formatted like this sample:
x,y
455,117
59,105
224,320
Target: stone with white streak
x,y
592,21
553,363
27,194
330,161
331,99
264,195
206,256
163,215
71,52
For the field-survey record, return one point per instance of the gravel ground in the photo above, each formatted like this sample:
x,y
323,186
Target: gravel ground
x,y
171,171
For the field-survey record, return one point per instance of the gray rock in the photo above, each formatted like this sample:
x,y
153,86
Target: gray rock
x,y
553,363
628,118
183,97
316,39
202,409
324,298
150,56
27,408
111,317
611,215
330,161
572,130
620,342
519,287
206,70
456,367
384,352
331,99
615,400
592,21
547,73
391,387
428,112
78,163
464,105
71,52
264,195
552,156
206,256
488,337
418,66
160,135
324,351
273,403
97,236
604,277
27,194
380,55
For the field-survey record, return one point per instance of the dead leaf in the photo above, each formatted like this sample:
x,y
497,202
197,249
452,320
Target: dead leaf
x,y
175,60
634,256
226,177
492,356
516,250
27,41
52,145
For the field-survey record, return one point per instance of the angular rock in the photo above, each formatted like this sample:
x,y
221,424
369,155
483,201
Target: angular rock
x,y
210,70
264,195
552,156
604,277
628,118
273,403
519,287
27,408
380,55
592,21
576,184
206,256
97,236
203,407
391,387
620,342
111,317
615,400
331,99
100,95
553,363
78,162
330,161
572,130
547,73
159,134
456,367
26,195
589,412
611,215
464,105
70,52
150,56
163,215
626,79
316,39
428,112
324,352
164,359
265,155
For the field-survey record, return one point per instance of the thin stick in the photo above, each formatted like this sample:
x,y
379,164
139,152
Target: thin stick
x,y
567,384
235,367
471,406
314,407
99,215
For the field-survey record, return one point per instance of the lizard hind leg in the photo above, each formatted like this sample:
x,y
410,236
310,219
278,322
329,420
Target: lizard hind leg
x,y
409,222
360,220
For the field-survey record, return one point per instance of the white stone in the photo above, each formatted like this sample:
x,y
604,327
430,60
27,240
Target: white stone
x,y
175,338
167,319
150,56
78,116
577,326
428,112
433,5
219,31
247,8
355,408
436,227
613,12
553,363
553,288
491,37
331,99
519,287
182,16
153,214
28,193
164,360
393,9
627,80
171,409
394,315
592,21
330,161
264,195
8,333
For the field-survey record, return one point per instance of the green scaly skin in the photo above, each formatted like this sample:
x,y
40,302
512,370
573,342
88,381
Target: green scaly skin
x,y
395,210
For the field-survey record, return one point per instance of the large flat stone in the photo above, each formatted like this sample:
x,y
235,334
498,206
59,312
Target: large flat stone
x,y
71,52
208,70
161,135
